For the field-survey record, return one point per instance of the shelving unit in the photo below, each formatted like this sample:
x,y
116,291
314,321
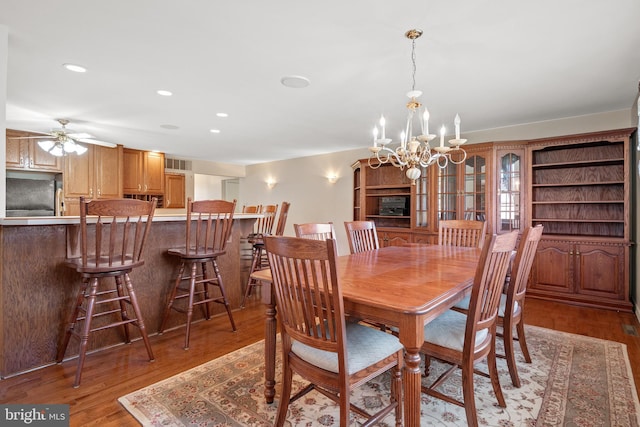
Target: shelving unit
x,y
580,191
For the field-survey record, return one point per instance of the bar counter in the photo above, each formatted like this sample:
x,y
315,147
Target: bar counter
x,y
37,291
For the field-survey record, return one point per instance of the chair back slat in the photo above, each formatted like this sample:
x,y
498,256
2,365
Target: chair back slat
x,y
209,224
466,233
264,225
118,234
315,231
362,236
488,284
282,219
517,287
308,294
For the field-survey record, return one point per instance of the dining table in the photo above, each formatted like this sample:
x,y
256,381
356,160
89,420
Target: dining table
x,y
401,286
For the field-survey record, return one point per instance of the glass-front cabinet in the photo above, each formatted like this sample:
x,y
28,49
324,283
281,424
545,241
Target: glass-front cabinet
x,y
462,189
510,187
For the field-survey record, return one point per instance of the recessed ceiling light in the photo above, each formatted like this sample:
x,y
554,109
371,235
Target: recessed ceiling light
x,y
170,127
222,115
75,68
164,92
214,130
295,81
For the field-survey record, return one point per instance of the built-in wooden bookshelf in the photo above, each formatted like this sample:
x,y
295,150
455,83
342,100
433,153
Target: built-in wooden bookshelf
x,y
579,189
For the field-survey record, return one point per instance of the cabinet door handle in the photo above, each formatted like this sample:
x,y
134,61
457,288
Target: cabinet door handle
x,y
570,253
577,253
99,193
139,187
91,192
31,163
21,161
145,188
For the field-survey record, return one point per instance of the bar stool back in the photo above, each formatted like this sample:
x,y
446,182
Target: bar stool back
x,y
208,229
111,248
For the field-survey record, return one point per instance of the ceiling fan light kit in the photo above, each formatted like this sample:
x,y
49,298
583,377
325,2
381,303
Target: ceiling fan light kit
x,y
60,142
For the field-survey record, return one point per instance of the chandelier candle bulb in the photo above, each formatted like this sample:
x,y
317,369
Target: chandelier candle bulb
x,y
442,131
375,136
425,122
382,123
456,121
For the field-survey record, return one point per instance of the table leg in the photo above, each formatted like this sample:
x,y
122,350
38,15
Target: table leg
x,y
412,388
411,337
270,330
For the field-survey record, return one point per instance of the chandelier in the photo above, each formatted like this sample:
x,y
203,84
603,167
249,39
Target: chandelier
x,y
414,150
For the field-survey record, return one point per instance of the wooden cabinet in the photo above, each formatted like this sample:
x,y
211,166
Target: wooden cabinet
x,y
25,154
585,273
143,172
579,189
97,174
174,190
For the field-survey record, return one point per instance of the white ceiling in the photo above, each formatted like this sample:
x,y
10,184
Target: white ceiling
x,y
495,62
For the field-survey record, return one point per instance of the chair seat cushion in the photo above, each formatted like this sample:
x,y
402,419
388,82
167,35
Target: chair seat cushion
x,y
365,346
464,304
447,330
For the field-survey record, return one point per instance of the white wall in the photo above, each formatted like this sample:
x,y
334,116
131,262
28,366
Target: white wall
x,y
303,183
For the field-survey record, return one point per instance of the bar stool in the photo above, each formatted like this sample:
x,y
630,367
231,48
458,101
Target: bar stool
x,y
208,229
110,249
259,259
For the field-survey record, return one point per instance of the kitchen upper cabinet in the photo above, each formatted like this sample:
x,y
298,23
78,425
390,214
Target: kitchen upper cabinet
x,y
143,172
25,154
96,174
174,190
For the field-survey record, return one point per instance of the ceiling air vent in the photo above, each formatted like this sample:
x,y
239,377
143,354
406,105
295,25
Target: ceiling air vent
x,y
177,164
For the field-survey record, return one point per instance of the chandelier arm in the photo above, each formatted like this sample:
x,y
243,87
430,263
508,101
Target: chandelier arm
x,y
459,162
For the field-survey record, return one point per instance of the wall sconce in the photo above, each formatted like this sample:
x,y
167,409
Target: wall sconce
x,y
332,178
271,183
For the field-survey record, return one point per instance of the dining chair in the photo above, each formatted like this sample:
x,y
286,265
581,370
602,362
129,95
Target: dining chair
x,y
511,309
251,208
316,231
111,246
362,236
334,356
263,227
463,340
208,227
462,232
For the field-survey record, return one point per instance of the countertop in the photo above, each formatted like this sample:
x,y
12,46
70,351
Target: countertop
x,y
68,220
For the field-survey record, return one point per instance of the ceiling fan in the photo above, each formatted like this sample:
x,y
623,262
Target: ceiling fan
x,y
62,141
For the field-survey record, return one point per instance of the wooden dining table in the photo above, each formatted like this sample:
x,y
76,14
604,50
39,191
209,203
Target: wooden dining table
x,y
401,286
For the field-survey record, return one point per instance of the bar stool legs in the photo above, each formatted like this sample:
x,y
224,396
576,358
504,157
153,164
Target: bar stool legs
x,y
258,262
89,298
196,278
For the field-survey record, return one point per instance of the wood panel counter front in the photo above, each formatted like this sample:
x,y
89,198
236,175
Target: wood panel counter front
x,y
37,291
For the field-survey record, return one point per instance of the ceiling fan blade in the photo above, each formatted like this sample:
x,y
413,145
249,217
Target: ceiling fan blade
x,y
97,142
33,137
79,135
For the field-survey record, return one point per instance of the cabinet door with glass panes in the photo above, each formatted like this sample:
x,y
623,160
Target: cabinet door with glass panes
x,y
510,185
462,188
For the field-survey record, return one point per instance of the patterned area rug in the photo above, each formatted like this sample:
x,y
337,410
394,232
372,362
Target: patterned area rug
x,y
573,381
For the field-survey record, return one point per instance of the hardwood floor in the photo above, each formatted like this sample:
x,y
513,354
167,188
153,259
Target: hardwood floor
x,y
115,372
